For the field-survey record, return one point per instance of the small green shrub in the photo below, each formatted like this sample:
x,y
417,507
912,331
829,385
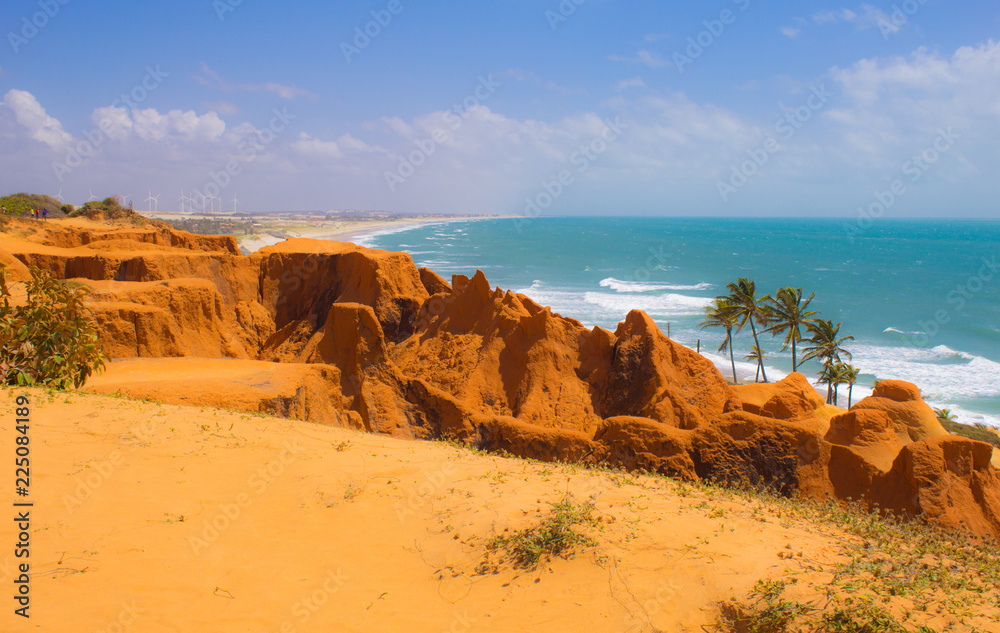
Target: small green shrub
x,y
51,340
555,535
769,613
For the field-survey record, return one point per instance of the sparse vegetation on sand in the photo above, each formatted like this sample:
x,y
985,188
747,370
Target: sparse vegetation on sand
x,y
556,534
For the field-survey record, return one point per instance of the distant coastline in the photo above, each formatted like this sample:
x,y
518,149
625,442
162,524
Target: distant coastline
x,y
270,229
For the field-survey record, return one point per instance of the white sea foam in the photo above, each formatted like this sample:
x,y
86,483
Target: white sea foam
x,y
892,329
654,305
941,373
635,286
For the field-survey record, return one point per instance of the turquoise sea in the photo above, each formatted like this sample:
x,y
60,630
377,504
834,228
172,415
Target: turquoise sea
x,y
921,298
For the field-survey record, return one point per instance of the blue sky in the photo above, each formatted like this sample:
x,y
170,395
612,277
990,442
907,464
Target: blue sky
x,y
721,108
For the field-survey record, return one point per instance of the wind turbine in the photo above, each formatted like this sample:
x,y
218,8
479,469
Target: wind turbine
x,y
202,196
183,198
153,201
59,197
93,198
235,202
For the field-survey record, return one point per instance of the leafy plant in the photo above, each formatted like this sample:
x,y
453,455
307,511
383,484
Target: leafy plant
x,y
555,535
51,339
769,613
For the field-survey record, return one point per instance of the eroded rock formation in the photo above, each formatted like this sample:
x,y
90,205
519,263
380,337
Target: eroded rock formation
x,y
340,334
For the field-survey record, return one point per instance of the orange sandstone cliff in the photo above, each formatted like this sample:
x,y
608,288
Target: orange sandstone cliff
x,y
339,334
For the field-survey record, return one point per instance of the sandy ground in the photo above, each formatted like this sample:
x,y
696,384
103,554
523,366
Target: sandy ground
x,y
160,518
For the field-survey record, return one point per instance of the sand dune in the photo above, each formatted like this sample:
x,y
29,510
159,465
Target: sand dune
x,y
163,518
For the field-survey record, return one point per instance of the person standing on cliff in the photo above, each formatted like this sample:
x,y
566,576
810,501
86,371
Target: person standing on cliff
x,y
45,214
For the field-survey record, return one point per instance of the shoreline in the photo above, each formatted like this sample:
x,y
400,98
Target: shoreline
x,y
357,231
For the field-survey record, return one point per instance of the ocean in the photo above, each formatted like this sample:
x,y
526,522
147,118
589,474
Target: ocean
x,y
920,297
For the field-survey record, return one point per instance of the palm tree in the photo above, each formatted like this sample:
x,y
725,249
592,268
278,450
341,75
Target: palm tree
x,y
945,415
722,313
758,355
743,296
850,378
826,347
838,373
789,313
826,377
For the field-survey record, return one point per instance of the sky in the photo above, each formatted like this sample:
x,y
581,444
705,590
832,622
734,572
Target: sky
x,y
525,107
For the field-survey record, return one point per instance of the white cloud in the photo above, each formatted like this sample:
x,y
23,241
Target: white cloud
x,y
149,124
634,82
224,107
831,17
315,147
970,78
210,77
646,58
870,17
895,105
789,31
32,116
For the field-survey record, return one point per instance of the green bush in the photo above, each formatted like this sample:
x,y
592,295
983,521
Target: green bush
x,y
22,204
51,340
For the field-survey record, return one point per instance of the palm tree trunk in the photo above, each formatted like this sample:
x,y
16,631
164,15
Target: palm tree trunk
x,y
794,365
732,359
850,390
760,362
